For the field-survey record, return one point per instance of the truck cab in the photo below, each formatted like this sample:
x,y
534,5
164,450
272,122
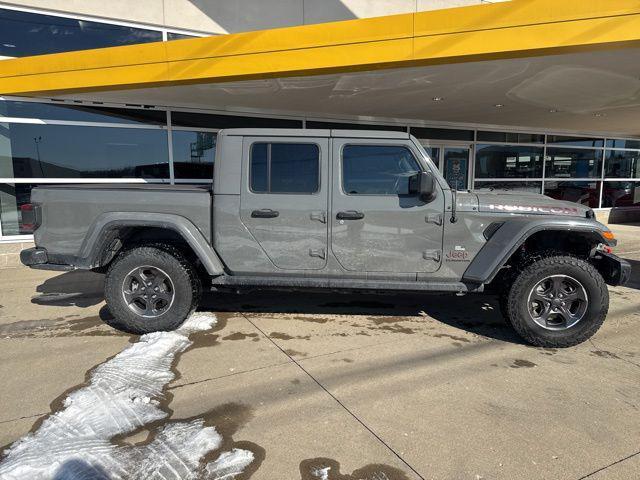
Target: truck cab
x,y
327,203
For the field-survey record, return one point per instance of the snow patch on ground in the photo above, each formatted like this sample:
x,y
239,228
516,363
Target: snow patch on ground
x,y
229,464
321,473
122,396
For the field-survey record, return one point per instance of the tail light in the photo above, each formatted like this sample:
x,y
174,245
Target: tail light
x,y
30,215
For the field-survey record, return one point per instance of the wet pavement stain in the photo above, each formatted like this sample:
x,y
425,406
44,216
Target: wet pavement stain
x,y
382,320
294,353
312,319
240,336
452,337
518,363
395,329
548,351
328,469
605,354
345,360
58,327
208,338
286,336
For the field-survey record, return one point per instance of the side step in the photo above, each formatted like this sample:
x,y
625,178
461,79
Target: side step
x,y
343,284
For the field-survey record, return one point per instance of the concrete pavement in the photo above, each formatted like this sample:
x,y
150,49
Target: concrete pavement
x,y
433,387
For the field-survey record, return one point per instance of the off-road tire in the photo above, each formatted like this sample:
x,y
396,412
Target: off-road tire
x,y
169,259
516,308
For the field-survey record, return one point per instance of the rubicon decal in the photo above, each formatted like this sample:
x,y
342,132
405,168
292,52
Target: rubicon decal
x,y
534,209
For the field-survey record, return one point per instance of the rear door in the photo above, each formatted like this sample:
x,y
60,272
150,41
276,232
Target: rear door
x,y
377,226
284,199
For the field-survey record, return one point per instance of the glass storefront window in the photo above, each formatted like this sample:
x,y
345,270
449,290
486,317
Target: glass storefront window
x,y
510,137
573,163
428,133
528,187
575,141
354,126
179,36
67,151
81,113
508,161
621,143
206,120
621,194
12,199
622,164
584,193
193,154
24,34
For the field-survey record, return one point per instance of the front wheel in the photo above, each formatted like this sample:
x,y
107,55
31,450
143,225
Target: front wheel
x,y
557,301
151,289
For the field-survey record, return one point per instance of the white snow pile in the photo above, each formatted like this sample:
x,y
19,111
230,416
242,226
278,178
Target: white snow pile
x,y
122,396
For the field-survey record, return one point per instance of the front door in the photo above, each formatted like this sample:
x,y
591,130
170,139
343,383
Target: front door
x,y
284,199
377,226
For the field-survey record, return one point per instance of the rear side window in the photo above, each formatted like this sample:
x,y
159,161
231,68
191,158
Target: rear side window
x,y
377,169
284,168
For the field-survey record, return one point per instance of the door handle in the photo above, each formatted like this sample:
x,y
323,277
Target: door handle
x,y
264,213
350,215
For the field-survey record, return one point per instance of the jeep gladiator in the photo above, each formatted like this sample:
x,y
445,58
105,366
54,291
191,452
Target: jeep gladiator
x,y
336,210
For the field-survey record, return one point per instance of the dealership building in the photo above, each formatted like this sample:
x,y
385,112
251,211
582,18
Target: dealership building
x,y
523,95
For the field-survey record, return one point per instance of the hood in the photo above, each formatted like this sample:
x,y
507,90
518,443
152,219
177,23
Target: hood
x,y
528,204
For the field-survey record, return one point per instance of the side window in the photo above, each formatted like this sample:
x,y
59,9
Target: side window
x,y
377,169
284,168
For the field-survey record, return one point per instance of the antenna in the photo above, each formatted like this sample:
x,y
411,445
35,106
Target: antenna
x,y
454,195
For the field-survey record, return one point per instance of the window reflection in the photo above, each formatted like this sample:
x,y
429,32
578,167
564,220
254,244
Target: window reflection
x,y
193,154
81,113
285,168
354,126
508,161
621,143
12,199
585,193
575,141
65,151
573,163
510,137
621,194
24,34
622,164
179,36
206,120
528,187
377,169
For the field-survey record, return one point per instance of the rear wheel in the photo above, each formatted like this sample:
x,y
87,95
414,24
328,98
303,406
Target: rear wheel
x,y
557,301
150,289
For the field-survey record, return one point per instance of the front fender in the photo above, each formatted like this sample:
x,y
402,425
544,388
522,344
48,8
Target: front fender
x,y
514,232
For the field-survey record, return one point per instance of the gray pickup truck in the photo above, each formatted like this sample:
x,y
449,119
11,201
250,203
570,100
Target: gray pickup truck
x,y
333,210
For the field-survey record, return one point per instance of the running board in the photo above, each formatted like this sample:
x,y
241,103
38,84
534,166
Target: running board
x,y
339,283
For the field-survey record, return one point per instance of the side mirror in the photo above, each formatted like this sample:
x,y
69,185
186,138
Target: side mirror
x,y
423,184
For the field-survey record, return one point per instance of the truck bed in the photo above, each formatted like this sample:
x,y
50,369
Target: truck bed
x,y
68,212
